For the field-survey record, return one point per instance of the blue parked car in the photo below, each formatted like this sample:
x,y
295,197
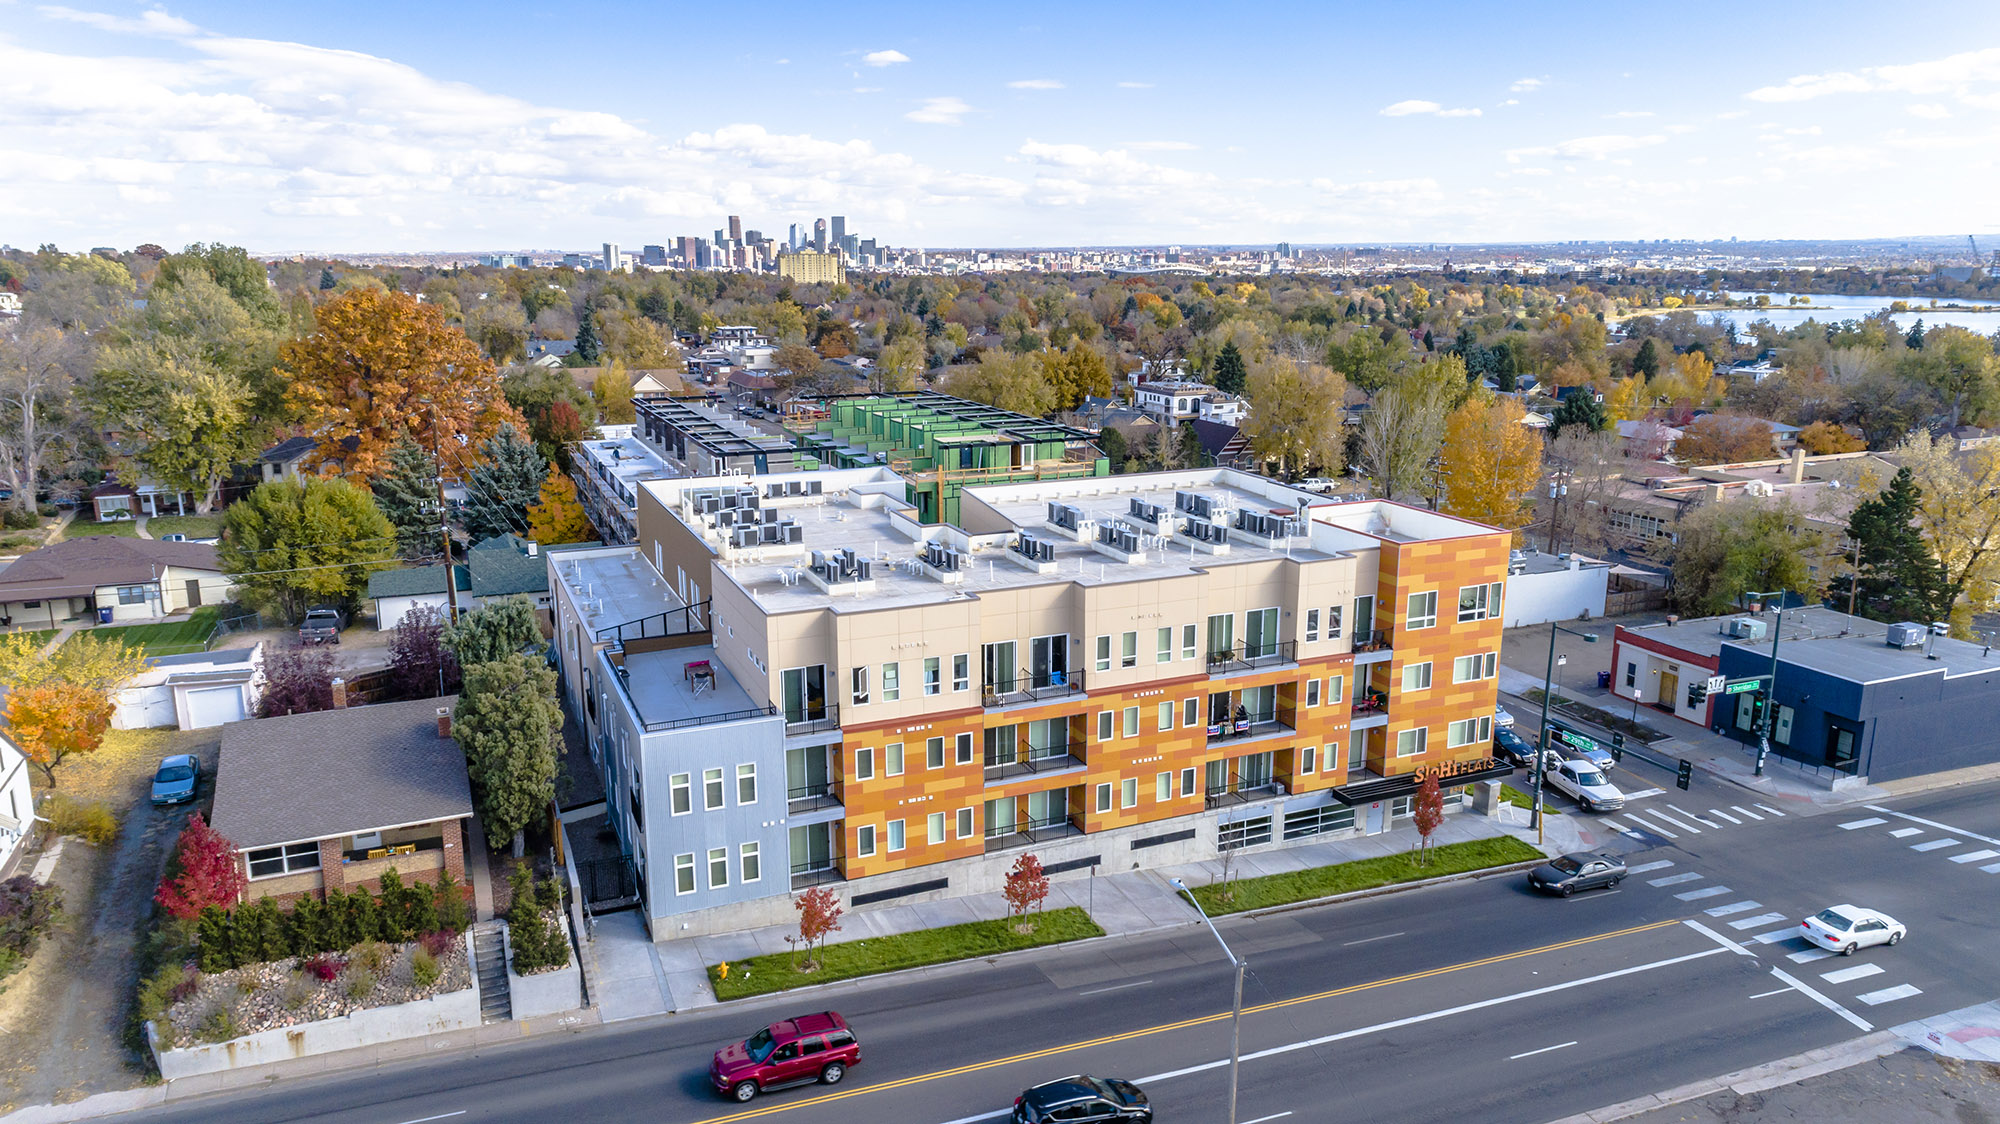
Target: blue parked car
x,y
175,781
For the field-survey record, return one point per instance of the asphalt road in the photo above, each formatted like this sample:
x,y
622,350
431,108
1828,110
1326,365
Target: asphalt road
x,y
1476,1000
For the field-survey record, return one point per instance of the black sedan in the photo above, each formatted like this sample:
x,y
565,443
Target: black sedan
x,y
1083,1098
1579,870
1513,747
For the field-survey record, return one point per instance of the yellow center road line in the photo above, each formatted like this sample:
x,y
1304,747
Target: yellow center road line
x,y
1163,1028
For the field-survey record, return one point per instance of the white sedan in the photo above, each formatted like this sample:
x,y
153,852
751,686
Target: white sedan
x,y
1845,928
1582,782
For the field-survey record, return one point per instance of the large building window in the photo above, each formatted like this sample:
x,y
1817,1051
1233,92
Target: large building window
x,y
751,862
711,789
746,784
892,682
1410,743
1465,669
1423,611
680,796
292,858
1478,602
684,873
1471,731
718,867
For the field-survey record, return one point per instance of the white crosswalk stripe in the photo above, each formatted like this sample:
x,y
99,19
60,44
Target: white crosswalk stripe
x,y
1771,810
1934,845
1704,892
1905,832
1651,826
1843,975
1789,932
1722,815
1690,815
1643,793
1994,869
1746,811
1808,956
1869,822
1657,864
1889,994
1758,921
1665,818
1974,856
1733,907
1674,879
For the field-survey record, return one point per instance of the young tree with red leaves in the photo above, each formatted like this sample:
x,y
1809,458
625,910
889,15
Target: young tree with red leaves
x,y
420,666
1026,889
819,914
1429,812
298,681
206,872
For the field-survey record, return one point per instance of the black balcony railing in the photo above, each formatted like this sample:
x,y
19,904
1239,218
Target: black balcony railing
x,y
1244,657
1027,831
825,794
1371,702
1020,762
673,622
1238,791
816,872
1374,640
1031,687
811,719
1247,726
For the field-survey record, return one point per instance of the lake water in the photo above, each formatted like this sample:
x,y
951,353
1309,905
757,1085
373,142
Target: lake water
x,y
1831,309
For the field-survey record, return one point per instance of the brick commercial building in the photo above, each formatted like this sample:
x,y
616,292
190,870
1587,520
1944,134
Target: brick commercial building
x,y
1110,671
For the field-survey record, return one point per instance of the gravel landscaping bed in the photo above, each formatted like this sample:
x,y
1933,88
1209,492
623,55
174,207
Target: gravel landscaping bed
x,y
261,997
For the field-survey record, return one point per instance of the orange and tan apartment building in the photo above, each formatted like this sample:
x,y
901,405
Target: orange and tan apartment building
x,y
1111,672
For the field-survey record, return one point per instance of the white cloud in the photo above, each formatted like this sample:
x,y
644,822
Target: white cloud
x,y
1624,113
1035,84
1929,111
884,58
1135,85
147,23
939,111
1585,148
1511,101
1415,106
1951,74
1526,85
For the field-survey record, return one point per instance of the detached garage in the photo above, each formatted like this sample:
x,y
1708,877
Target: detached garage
x,y
194,691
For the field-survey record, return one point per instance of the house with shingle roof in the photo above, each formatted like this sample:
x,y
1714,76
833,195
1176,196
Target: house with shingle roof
x,y
330,800
502,566
133,580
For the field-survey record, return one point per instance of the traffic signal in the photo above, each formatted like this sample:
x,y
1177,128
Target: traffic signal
x,y
1686,774
1759,703
1697,694
1617,746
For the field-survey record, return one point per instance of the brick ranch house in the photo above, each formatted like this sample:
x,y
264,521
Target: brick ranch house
x,y
330,800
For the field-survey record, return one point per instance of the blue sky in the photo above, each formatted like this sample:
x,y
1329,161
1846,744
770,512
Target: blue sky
x,y
512,125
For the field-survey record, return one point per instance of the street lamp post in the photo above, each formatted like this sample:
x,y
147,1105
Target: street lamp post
x,y
1236,1016
1770,722
1542,737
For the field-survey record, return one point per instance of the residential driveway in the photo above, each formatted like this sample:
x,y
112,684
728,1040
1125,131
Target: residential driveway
x,y
65,1020
361,647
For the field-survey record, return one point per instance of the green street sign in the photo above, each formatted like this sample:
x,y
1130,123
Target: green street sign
x,y
1738,686
1572,738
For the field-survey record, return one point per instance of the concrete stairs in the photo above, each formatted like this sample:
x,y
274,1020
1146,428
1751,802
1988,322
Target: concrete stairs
x,y
489,954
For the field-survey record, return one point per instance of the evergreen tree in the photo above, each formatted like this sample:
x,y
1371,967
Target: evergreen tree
x,y
407,495
1647,361
1505,374
508,722
1916,337
1113,445
1230,370
214,934
1187,447
1898,579
1581,408
1466,343
587,348
501,488
326,280
494,631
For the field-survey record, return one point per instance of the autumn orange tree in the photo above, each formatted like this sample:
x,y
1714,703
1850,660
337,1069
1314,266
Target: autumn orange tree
x,y
1822,437
379,365
59,704
557,517
1491,462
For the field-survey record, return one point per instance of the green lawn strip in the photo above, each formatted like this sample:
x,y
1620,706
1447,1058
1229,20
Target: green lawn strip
x,y
39,637
1520,799
83,529
168,638
193,526
763,975
1363,874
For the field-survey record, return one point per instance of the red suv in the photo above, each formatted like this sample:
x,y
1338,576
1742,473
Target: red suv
x,y
798,1051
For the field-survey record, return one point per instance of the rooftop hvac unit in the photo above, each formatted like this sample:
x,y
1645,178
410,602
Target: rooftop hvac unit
x,y
725,518
938,556
1194,503
794,533
745,536
812,487
1029,546
1065,515
1747,628
1907,634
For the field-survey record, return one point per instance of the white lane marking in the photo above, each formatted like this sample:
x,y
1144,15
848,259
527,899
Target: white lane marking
x,y
462,1112
1365,940
1772,810
1941,827
1934,845
1643,793
1722,815
1733,907
1746,811
1842,975
1659,815
982,1116
1543,1050
1674,879
1273,1116
1994,869
1650,826
1758,921
1768,994
1432,1016
1788,933
1871,821
1718,938
1712,826
1642,868
1889,994
1823,1001
1808,956
1975,856
1113,987
1905,832
1704,892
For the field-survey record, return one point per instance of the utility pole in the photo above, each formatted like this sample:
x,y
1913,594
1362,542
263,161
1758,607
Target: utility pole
x,y
444,527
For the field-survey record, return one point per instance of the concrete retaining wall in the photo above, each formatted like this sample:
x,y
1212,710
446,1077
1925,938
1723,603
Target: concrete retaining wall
x,y
454,1010
544,993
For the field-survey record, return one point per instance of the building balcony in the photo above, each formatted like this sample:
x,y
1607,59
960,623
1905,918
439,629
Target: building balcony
x,y
1374,646
813,797
1037,760
1028,832
812,719
1247,728
1236,792
1252,657
817,873
1367,704
1030,688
